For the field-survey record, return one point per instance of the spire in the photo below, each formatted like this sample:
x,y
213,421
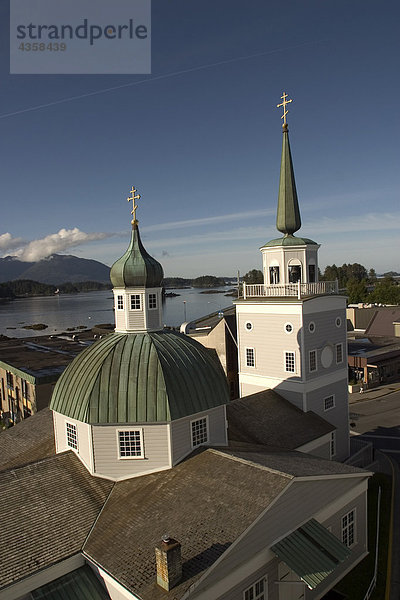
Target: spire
x,y
288,215
136,268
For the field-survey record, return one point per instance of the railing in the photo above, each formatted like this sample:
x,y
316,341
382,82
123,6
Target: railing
x,y
361,453
290,289
372,585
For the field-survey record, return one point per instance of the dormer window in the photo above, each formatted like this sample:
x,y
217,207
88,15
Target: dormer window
x,y
135,302
152,301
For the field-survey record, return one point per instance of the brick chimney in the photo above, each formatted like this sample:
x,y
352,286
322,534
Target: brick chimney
x,y
169,563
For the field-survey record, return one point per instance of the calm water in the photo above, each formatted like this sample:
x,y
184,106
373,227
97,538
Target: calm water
x,y
72,310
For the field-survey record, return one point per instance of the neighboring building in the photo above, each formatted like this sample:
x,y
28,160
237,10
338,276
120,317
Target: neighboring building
x,y
292,328
29,369
374,361
374,320
374,357
217,331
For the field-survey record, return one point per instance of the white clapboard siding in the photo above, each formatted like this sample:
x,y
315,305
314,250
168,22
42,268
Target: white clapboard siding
x,y
105,444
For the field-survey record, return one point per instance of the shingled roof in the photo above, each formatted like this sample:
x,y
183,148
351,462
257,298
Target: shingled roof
x,y
267,418
27,442
56,501
206,502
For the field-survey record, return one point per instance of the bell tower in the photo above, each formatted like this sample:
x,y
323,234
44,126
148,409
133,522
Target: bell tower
x,y
292,328
136,279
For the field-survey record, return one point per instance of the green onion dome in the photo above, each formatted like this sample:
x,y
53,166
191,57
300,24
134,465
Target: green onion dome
x,y
136,268
139,378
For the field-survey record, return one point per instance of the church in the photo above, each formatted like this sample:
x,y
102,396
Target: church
x,y
143,481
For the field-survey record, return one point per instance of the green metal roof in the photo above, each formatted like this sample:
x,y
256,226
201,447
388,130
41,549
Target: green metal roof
x,y
81,584
290,240
288,216
140,377
136,267
312,552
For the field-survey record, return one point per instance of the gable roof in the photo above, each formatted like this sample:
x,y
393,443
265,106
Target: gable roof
x,y
292,464
57,501
267,418
382,321
206,502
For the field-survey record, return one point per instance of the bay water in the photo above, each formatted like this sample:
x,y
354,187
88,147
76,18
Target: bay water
x,y
63,311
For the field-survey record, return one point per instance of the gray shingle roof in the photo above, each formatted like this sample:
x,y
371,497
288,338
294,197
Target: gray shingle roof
x,y
292,464
50,506
267,418
27,442
206,502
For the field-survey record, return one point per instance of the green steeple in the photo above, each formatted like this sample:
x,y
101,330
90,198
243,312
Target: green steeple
x,y
136,267
288,216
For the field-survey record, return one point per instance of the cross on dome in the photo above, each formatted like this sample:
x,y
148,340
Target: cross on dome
x,y
283,104
133,197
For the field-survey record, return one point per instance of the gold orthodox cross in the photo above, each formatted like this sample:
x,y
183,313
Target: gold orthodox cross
x,y
283,103
133,197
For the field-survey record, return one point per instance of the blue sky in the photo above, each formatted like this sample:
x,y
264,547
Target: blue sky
x,y
201,139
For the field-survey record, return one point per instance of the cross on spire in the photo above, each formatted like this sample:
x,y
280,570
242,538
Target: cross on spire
x,y
284,103
133,197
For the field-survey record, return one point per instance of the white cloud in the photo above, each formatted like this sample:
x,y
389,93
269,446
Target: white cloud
x,y
55,242
7,242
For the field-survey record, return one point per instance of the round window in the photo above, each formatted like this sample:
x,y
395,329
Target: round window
x,y
338,322
288,327
249,326
311,327
326,357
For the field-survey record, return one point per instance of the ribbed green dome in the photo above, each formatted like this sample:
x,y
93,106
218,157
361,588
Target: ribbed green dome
x,y
140,377
290,240
136,268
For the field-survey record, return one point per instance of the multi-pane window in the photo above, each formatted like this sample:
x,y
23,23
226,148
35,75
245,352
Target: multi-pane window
x,y
349,528
290,362
130,443
311,273
135,301
257,591
10,380
152,300
250,357
72,436
199,432
313,360
120,302
339,353
329,402
332,445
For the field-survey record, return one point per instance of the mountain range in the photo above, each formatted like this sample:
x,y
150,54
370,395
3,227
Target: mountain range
x,y
56,269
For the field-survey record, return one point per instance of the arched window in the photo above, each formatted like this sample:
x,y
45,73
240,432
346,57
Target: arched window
x,y
294,270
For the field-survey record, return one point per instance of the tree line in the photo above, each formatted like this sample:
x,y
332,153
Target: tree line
x,y
20,288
